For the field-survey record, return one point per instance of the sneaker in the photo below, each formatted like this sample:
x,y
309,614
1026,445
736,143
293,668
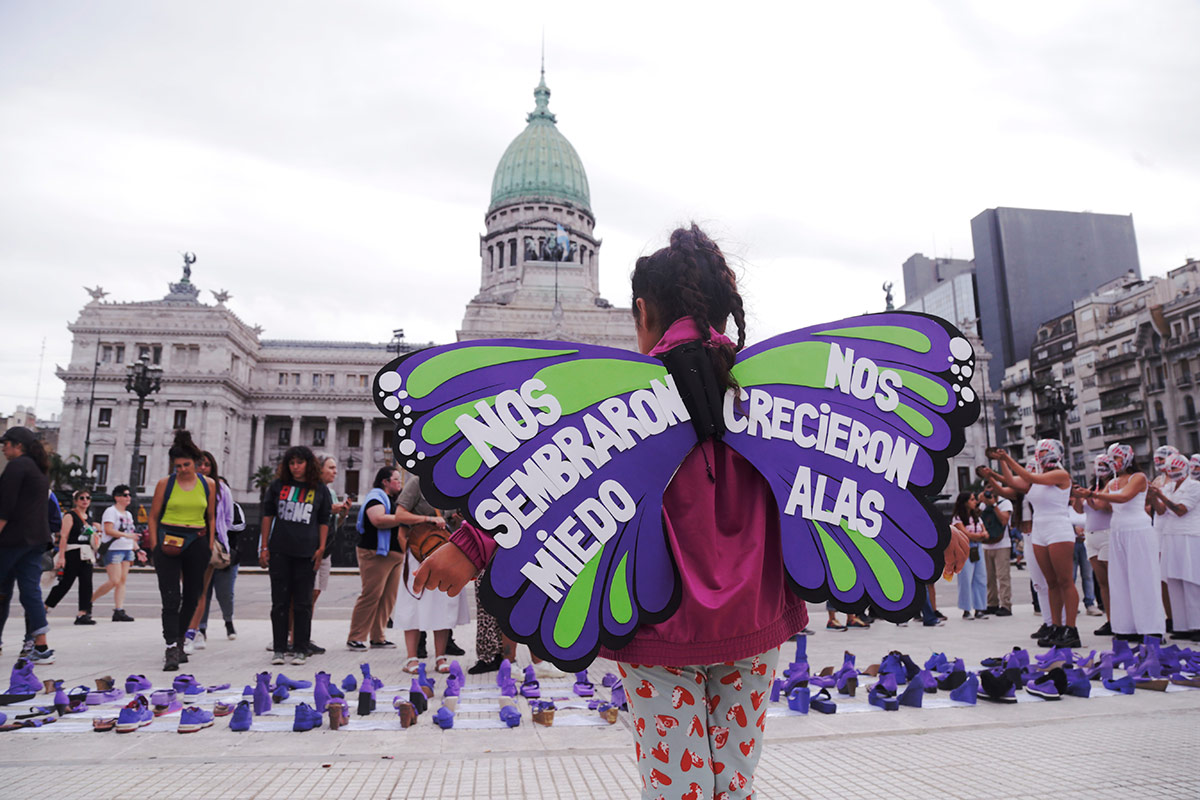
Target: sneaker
x,y
193,719
981,615
279,658
997,687
1104,630
384,645
298,659
356,646
314,649
1004,612
482,666
1045,687
221,709
242,717
306,718
119,615
193,692
1092,611
85,619
1042,632
135,715
45,656
230,631
937,623
966,615
201,640
452,648
189,646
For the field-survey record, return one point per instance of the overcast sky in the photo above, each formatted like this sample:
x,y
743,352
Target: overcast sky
x,y
330,163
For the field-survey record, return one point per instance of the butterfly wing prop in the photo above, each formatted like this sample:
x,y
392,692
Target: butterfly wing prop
x,y
562,452
852,423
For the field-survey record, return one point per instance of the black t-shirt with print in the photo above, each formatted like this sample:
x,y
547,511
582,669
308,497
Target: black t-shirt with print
x,y
299,512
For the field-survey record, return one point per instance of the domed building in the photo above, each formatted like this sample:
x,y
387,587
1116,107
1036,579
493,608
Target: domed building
x,y
539,271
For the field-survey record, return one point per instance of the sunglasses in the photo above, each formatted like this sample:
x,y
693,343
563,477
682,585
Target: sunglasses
x,y
83,497
122,494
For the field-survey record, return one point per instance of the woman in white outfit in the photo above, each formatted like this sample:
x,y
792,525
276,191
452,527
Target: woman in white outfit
x,y
428,609
1099,519
1135,600
1179,538
1049,492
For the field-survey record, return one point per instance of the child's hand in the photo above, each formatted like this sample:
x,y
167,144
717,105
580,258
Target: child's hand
x,y
956,554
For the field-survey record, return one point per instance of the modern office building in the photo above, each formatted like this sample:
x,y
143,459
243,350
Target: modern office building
x,y
1030,265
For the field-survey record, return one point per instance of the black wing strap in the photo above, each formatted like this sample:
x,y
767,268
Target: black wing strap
x,y
696,381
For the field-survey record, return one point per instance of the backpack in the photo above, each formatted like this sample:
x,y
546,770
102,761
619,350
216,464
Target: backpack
x,y
991,524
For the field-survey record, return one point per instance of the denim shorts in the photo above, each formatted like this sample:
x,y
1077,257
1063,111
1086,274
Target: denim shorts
x,y
117,556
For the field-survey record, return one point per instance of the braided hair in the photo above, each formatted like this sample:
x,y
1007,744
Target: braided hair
x,y
690,278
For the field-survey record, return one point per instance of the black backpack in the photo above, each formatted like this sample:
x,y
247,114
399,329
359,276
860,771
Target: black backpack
x,y
991,524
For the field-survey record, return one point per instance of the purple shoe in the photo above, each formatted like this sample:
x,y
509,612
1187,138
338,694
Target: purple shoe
x,y
262,693
349,684
883,693
181,682
618,695
1049,686
914,694
321,693
444,718
583,687
510,716
416,696
799,699
1078,684
504,674
291,685
997,686
608,680
97,697
1122,685
135,715
967,691
137,683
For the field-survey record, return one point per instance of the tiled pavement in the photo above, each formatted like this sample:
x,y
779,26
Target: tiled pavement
x,y
1128,747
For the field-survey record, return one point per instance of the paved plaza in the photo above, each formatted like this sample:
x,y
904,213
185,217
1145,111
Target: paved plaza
x,y
1139,746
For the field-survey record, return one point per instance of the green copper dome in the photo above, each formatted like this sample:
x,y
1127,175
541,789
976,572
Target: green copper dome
x,y
540,164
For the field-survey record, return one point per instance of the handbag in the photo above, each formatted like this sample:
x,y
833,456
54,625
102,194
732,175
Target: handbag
x,y
426,537
220,558
175,540
102,550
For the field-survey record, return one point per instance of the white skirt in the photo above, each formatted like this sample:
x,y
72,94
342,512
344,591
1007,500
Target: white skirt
x,y
1134,581
433,610
1181,557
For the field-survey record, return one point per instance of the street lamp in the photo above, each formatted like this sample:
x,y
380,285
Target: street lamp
x,y
1059,401
142,378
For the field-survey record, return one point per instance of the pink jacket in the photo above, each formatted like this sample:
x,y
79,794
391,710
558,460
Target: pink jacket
x,y
724,535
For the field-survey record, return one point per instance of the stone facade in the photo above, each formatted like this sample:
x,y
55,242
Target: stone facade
x,y
243,398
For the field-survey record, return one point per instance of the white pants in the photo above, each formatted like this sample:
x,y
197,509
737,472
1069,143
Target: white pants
x,y
1134,590
1039,581
1185,604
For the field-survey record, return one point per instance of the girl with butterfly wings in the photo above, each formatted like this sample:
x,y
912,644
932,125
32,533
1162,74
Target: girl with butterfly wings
x,y
698,665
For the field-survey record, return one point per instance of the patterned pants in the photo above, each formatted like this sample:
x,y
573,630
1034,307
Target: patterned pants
x,y
487,631
699,730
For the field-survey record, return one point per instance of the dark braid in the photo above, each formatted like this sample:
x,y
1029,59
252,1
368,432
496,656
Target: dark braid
x,y
690,278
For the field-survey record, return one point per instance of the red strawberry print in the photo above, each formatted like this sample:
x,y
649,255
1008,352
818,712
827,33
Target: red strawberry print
x,y
662,751
664,722
762,722
693,792
640,726
736,712
716,766
681,696
646,690
713,702
720,735
738,781
757,667
757,698
732,678
697,727
658,779
622,671
721,796
699,679
690,760
746,747
637,748
676,671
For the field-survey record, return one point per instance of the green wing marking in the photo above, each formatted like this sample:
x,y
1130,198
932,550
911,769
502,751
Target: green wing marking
x,y
881,563
901,337
840,566
441,368
618,594
574,610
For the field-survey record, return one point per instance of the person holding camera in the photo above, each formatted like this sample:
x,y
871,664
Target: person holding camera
x,y
995,512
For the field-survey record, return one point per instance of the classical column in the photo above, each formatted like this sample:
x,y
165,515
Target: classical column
x,y
260,444
295,431
367,471
331,436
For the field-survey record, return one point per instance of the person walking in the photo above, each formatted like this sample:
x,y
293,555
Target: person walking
x,y
117,550
25,534
218,581
295,527
77,541
180,537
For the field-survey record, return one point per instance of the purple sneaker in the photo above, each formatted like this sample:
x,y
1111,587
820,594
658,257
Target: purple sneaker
x,y
193,719
135,715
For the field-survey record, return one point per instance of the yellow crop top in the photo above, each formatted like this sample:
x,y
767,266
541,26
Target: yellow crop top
x,y
186,509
